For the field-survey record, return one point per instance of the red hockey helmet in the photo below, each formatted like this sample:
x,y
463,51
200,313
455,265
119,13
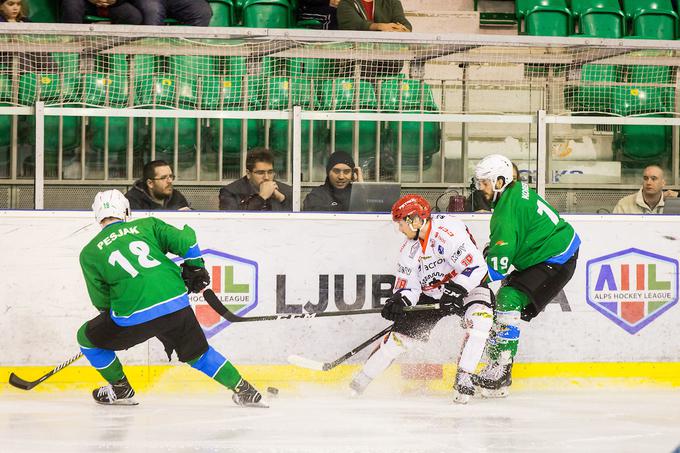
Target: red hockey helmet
x,y
409,205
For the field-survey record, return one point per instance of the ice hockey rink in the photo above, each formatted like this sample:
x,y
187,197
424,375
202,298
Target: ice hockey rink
x,y
588,420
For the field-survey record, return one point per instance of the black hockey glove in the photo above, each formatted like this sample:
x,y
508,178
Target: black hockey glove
x,y
196,278
394,308
452,301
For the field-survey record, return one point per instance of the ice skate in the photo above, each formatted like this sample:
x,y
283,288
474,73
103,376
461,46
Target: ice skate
x,y
494,380
245,395
463,388
119,393
359,384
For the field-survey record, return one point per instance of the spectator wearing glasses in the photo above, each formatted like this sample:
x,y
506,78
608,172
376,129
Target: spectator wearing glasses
x,y
257,190
334,194
155,190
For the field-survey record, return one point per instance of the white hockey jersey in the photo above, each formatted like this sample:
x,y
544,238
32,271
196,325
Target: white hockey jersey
x,y
447,253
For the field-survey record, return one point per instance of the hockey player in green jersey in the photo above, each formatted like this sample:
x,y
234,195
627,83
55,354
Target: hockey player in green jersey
x,y
528,234
140,294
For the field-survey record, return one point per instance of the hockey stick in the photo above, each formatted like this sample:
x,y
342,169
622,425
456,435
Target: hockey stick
x,y
19,383
223,311
325,366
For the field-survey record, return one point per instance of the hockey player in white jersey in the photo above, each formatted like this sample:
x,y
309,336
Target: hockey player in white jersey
x,y
439,263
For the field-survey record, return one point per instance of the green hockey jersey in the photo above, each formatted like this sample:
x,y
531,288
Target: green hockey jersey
x,y
525,230
127,271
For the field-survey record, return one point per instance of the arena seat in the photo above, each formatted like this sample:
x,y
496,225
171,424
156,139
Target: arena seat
x,y
281,94
222,13
653,19
267,14
226,93
600,18
544,17
341,94
402,95
589,98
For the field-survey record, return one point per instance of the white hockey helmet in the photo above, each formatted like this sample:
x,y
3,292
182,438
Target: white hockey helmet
x,y
110,203
493,167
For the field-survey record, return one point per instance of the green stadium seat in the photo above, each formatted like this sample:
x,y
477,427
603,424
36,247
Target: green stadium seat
x,y
652,19
600,18
340,94
70,127
226,93
43,10
639,99
222,13
544,17
267,13
402,95
5,125
590,98
107,90
639,146
281,94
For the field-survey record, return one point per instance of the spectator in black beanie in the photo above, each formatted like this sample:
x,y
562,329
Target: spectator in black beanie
x,y
334,194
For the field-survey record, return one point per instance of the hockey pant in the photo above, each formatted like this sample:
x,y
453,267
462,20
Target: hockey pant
x,y
100,337
477,321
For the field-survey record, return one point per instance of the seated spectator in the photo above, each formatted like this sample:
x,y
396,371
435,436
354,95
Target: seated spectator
x,y
187,12
118,11
335,193
476,202
325,11
257,190
650,198
11,11
372,15
154,190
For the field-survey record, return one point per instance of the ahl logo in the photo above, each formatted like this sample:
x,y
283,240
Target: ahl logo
x,y
632,287
234,281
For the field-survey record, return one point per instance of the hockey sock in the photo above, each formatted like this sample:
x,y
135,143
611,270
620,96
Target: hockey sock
x,y
510,302
480,318
217,367
392,347
104,360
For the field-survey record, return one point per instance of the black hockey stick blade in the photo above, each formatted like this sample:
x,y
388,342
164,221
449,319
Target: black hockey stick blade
x,y
23,384
214,302
326,366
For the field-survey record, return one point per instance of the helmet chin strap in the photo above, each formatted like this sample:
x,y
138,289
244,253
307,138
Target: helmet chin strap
x,y
416,230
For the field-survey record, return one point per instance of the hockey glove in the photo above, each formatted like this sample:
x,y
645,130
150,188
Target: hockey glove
x,y
394,308
196,278
452,301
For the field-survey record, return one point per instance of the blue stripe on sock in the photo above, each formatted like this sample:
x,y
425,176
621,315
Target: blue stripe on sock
x,y
210,362
99,358
508,333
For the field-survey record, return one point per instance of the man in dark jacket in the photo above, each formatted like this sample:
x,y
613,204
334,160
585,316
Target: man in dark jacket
x,y
335,193
257,190
376,15
155,191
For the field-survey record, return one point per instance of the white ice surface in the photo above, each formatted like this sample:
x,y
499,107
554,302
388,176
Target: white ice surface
x,y
568,421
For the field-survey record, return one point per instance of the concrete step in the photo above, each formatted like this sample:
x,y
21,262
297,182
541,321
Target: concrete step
x,y
444,21
438,5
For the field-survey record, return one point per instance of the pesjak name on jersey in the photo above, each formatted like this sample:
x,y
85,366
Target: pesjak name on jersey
x,y
115,235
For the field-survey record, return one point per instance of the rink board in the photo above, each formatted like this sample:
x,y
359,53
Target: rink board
x,y
619,313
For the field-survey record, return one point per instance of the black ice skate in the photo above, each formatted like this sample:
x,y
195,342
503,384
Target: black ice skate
x,y
463,388
119,393
494,380
246,395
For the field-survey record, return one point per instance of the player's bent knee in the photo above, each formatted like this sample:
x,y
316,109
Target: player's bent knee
x,y
511,299
81,337
396,344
